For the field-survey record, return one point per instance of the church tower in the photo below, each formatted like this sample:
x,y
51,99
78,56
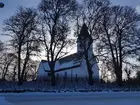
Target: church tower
x,y
85,47
84,41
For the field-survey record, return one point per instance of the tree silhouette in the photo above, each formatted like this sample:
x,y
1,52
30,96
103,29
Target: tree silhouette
x,y
56,15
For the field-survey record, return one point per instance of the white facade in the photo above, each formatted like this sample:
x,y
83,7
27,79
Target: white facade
x,y
80,70
73,65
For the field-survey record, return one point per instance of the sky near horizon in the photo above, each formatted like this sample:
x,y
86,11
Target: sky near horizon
x,y
11,7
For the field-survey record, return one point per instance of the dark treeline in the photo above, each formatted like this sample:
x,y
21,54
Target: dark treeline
x,y
114,30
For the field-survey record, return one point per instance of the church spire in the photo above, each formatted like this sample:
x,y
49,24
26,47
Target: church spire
x,y
84,39
84,32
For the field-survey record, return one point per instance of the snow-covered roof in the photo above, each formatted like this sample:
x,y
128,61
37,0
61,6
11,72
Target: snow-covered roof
x,y
72,57
68,62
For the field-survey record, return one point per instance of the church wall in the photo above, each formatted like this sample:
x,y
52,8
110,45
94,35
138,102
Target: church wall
x,y
79,71
64,65
95,70
44,66
41,73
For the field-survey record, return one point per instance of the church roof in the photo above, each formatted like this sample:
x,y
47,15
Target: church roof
x,y
66,63
72,57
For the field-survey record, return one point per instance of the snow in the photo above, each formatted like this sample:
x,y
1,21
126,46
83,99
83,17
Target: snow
x,y
75,98
4,102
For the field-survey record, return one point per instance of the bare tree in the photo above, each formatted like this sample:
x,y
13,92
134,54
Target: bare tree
x,y
84,42
90,13
55,27
128,73
107,72
118,36
6,64
22,28
6,60
1,46
31,71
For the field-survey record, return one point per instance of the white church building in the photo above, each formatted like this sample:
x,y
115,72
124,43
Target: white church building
x,y
73,65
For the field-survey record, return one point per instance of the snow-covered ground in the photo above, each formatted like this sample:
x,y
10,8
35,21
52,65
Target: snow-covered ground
x,y
4,102
88,98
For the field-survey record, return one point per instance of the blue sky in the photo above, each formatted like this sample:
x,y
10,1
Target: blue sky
x,y
11,6
126,2
133,3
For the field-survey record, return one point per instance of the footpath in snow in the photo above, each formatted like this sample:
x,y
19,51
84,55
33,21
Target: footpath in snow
x,y
88,98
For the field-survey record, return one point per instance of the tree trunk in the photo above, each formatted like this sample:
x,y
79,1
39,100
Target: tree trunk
x,y
19,61
52,67
24,65
53,82
90,77
118,73
23,74
6,69
119,80
5,72
14,73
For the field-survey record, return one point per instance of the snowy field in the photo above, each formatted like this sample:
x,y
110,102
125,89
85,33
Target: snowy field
x,y
89,98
